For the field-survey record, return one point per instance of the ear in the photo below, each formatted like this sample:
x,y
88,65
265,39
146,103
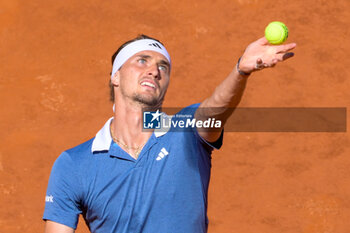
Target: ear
x,y
115,80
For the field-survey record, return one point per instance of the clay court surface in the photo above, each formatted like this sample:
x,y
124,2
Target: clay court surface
x,y
54,72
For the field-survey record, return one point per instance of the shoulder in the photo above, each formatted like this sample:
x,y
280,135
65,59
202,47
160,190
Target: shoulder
x,y
191,109
74,155
68,166
81,150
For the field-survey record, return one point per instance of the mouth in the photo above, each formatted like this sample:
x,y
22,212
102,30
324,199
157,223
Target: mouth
x,y
148,84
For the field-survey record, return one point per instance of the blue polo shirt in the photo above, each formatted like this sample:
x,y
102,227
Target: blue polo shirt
x,y
164,190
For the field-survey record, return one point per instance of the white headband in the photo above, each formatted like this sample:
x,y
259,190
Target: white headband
x,y
135,47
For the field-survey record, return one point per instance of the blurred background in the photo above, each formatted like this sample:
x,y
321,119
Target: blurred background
x,y
54,72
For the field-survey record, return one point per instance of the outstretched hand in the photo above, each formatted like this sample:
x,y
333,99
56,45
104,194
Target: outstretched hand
x,y
260,54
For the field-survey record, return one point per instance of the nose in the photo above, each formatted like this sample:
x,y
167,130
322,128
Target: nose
x,y
154,71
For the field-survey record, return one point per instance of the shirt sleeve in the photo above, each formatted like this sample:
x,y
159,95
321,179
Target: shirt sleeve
x,y
214,145
190,111
62,196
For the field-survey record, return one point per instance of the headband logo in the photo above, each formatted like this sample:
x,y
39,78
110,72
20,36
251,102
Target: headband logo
x,y
155,45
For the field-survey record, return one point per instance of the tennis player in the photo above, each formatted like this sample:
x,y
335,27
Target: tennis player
x,y
128,180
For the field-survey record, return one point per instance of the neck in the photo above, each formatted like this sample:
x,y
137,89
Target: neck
x,y
127,126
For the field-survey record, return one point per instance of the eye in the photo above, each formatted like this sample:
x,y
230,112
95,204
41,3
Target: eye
x,y
163,68
142,61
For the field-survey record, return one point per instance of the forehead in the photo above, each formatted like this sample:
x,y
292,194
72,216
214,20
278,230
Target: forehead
x,y
151,54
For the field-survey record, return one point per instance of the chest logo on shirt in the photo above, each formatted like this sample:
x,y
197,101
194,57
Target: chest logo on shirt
x,y
163,152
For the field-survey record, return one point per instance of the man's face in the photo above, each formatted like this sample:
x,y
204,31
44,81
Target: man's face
x,y
144,78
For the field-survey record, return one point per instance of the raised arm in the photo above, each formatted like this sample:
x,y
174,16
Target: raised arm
x,y
54,227
220,105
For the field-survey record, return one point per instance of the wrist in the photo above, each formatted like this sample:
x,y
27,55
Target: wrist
x,y
241,72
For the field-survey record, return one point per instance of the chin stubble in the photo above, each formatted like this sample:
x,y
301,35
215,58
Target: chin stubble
x,y
151,102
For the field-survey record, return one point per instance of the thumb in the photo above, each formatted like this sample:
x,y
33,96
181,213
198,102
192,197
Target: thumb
x,y
263,41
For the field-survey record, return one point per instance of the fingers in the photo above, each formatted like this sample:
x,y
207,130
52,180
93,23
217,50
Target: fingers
x,y
263,41
260,64
274,62
263,66
287,55
270,55
283,56
285,48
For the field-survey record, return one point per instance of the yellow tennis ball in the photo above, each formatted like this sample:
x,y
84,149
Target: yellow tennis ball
x,y
276,32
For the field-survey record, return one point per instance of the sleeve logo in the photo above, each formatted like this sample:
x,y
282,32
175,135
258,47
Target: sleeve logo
x,y
49,198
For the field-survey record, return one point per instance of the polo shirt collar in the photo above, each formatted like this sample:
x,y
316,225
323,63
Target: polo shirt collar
x,y
103,138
